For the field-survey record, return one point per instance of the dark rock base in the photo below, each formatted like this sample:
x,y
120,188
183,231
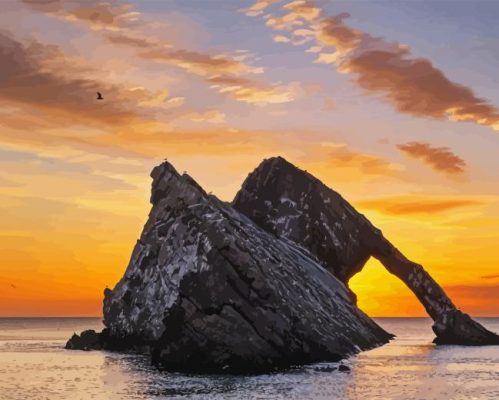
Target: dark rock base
x,y
456,327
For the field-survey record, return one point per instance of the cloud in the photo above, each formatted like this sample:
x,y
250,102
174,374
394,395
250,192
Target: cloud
x,y
441,159
281,39
313,49
412,85
255,92
341,156
304,9
26,80
198,63
214,140
475,298
47,91
176,101
475,291
298,13
210,116
490,276
34,171
121,26
195,62
415,204
258,7
97,15
41,76
225,74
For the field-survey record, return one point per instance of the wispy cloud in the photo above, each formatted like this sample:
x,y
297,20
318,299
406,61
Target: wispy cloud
x,y
120,25
474,291
490,276
210,116
413,85
41,76
253,92
418,204
341,156
441,159
198,63
97,14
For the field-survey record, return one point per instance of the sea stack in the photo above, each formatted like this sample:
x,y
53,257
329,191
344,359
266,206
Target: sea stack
x,y
260,284
208,290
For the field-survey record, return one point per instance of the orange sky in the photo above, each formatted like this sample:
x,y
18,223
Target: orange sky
x,y
216,90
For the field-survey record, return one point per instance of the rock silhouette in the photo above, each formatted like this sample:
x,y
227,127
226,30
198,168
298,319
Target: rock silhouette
x,y
259,284
293,204
208,290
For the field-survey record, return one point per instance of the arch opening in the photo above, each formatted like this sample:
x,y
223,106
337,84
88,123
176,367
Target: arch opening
x,y
382,294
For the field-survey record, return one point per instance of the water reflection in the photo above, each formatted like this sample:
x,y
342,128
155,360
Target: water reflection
x,y
410,367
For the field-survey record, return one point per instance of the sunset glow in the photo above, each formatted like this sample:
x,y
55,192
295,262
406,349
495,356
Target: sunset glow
x,y
216,88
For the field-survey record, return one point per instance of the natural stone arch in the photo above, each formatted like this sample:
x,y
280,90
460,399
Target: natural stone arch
x,y
291,203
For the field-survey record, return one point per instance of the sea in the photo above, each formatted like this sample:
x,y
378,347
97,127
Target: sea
x,y
35,365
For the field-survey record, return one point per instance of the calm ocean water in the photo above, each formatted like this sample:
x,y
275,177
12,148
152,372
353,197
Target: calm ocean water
x,y
34,365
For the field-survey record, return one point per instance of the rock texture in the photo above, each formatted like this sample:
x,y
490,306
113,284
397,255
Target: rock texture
x,y
208,290
292,204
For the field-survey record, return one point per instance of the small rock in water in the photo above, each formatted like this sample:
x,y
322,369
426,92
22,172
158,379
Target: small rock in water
x,y
88,340
344,368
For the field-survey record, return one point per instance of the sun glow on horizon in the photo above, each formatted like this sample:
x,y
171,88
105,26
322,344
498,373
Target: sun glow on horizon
x,y
403,131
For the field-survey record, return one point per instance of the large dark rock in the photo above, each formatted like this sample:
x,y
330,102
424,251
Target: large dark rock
x,y
208,290
292,204
260,285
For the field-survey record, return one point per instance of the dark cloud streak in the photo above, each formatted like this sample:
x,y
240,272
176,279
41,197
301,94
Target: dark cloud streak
x,y
441,159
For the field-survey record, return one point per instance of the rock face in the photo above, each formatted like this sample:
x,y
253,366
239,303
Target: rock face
x,y
208,290
292,204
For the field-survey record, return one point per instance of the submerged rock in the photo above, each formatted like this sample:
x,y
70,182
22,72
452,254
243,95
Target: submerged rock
x,y
292,204
207,290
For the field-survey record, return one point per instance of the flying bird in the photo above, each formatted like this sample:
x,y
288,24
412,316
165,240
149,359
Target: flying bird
x,y
99,96
12,286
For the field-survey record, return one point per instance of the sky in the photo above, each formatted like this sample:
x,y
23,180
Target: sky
x,y
392,104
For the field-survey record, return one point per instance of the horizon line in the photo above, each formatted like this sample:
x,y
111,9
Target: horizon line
x,y
101,317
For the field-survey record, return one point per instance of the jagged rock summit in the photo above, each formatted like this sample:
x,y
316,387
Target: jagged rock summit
x,y
260,285
293,204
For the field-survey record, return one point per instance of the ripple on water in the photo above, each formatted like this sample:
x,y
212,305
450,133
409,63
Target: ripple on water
x,y
410,367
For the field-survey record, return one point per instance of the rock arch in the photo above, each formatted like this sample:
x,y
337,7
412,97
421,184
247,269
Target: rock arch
x,y
293,204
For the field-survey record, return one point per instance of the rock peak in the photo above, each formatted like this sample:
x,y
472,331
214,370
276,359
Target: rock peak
x,y
164,168
278,164
165,177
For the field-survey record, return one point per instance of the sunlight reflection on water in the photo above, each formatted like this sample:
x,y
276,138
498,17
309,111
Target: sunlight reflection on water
x,y
33,365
